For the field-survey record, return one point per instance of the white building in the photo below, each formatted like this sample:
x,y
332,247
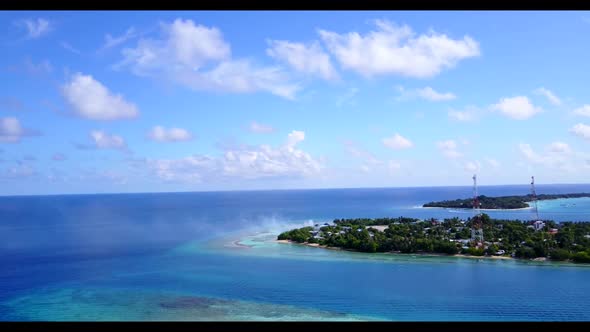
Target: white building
x,y
538,225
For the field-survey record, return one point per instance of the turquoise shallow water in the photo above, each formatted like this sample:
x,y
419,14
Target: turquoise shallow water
x,y
212,257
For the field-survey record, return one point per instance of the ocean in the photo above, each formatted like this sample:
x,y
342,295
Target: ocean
x,y
211,256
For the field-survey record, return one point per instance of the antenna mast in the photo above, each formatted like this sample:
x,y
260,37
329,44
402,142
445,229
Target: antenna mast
x,y
476,225
534,194
475,196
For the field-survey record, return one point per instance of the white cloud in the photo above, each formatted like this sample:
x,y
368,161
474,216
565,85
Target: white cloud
x,y
553,99
529,154
449,149
35,27
69,47
397,50
259,128
103,140
583,111
264,161
461,116
518,108
11,130
472,166
92,100
493,162
110,41
188,170
240,76
447,145
393,165
198,57
581,130
397,142
426,93
295,137
247,162
430,94
106,141
310,59
161,134
559,147
558,155
469,113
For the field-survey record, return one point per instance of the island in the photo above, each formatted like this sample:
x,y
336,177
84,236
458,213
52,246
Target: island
x,y
539,240
502,202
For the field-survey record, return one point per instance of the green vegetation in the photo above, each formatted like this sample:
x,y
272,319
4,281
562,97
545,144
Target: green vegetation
x,y
503,202
564,241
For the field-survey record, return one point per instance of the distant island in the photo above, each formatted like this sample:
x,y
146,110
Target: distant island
x,y
502,238
502,202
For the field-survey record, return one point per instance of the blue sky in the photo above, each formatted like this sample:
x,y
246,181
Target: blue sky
x,y
189,101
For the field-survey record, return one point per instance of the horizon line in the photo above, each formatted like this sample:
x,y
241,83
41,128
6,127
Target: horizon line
x,y
287,189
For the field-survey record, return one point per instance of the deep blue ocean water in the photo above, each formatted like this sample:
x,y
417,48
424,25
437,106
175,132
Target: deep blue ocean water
x,y
211,256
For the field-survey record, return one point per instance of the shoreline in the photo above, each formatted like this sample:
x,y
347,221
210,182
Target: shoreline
x,y
530,207
317,245
470,209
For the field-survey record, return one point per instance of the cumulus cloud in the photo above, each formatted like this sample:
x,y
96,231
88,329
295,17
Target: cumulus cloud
x,y
103,140
92,100
559,147
393,165
493,162
58,157
557,155
188,170
397,142
161,134
469,113
309,59
472,166
35,28
198,57
449,149
583,111
462,116
551,97
259,128
426,93
529,154
518,108
397,50
107,141
581,130
11,130
295,137
245,162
